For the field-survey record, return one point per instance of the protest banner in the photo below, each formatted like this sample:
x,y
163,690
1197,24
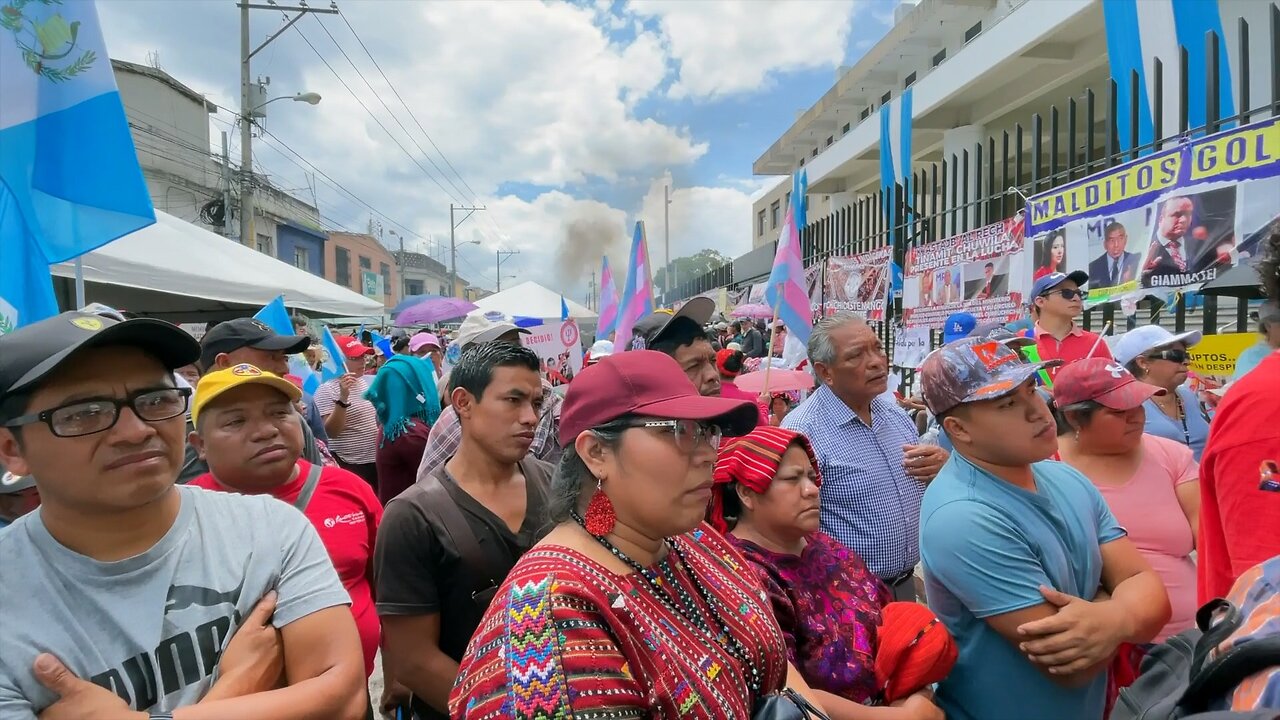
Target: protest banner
x,y
984,272
558,345
1171,220
1215,356
813,283
910,346
859,283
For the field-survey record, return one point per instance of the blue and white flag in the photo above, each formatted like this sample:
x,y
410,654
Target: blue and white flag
x,y
334,364
895,146
276,316
69,176
1141,31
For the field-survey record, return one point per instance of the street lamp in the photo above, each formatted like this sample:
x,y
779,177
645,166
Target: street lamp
x,y
252,111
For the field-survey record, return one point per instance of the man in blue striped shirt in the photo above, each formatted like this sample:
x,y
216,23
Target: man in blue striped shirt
x,y
874,471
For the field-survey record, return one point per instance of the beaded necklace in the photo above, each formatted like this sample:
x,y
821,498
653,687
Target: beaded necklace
x,y
689,612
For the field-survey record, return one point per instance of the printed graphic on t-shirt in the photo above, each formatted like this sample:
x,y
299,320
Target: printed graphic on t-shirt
x,y
198,621
1269,476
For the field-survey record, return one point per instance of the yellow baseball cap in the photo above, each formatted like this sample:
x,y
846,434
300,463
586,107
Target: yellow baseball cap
x,y
216,383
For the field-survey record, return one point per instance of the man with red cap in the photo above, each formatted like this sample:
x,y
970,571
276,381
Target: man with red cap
x,y
350,419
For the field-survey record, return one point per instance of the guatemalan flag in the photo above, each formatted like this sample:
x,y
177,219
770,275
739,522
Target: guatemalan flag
x,y
895,148
69,176
1139,32
637,294
608,302
788,292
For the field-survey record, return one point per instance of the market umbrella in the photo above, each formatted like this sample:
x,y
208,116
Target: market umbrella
x,y
753,310
1241,281
779,381
435,310
412,300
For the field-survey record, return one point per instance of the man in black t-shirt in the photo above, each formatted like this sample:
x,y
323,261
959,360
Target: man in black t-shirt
x,y
448,542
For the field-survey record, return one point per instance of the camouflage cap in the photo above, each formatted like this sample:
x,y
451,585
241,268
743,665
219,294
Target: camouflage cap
x,y
973,369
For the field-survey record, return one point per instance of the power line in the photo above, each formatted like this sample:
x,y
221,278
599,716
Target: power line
x,y
444,157
369,112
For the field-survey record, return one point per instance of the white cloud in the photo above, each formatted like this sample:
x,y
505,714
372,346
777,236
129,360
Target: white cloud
x,y
725,48
718,218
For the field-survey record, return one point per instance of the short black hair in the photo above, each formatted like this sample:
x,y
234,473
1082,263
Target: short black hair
x,y
1111,227
990,265
680,332
474,370
1269,265
1083,409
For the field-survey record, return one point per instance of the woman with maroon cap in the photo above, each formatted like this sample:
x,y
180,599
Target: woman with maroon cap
x,y
632,606
1150,483
849,642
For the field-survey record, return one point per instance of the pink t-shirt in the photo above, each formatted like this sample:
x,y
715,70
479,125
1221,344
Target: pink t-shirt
x,y
1147,507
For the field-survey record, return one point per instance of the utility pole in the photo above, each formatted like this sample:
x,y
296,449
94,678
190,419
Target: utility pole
x,y
453,245
591,296
503,255
247,107
226,185
669,277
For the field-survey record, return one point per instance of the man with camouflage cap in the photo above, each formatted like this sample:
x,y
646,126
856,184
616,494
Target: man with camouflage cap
x,y
1015,550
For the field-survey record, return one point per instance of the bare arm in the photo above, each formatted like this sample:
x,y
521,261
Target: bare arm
x,y
336,421
1189,499
411,653
324,669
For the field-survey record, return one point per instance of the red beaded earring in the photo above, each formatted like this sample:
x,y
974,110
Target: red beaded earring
x,y
600,516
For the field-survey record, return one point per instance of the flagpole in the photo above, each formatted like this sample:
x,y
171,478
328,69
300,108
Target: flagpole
x,y
773,331
79,284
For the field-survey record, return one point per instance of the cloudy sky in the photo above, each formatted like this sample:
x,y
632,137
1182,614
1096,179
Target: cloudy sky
x,y
564,120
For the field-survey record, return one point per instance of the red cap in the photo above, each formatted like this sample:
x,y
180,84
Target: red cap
x,y
1102,380
352,347
647,383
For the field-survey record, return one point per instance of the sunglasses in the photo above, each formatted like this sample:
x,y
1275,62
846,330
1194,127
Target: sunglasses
x,y
1173,355
1066,293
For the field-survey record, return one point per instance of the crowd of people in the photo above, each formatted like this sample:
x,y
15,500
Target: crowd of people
x,y
188,534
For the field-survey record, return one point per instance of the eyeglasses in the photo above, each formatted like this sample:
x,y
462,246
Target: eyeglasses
x,y
86,417
1173,355
688,433
1066,293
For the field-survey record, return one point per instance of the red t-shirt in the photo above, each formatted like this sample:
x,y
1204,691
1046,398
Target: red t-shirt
x,y
1077,345
345,513
1239,515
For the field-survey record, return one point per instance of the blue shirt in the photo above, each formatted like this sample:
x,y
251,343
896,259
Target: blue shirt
x,y
988,546
1197,425
869,503
1250,358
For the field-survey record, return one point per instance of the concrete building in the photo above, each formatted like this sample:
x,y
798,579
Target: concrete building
x,y
421,274
359,262
169,123
976,68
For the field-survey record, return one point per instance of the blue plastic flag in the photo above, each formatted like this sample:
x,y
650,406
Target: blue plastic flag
x,y
334,364
564,309
381,344
276,316
69,176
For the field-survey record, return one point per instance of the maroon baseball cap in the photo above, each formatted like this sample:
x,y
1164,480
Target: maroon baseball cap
x,y
648,383
971,370
1103,381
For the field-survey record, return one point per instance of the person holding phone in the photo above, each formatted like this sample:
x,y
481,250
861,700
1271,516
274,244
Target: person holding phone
x,y
447,543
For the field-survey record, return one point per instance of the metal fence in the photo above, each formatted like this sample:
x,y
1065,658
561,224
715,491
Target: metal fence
x,y
988,182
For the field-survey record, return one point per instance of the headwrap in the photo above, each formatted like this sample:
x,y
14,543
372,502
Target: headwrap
x,y
751,461
914,650
404,390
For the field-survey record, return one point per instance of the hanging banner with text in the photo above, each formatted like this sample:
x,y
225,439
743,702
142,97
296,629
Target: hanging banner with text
x,y
983,272
1169,221
813,283
859,283
559,346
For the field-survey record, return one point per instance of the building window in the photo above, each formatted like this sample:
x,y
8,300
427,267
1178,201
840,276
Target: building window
x,y
937,59
814,153
866,113
301,259
265,245
444,290
830,139
413,287
342,266
365,263
385,270
775,213
760,223
911,80
845,129
973,32
801,162
884,99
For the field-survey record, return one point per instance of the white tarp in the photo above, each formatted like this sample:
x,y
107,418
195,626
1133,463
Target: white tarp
x,y
529,299
177,257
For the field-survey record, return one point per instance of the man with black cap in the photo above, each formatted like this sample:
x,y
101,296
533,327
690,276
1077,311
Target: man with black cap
x,y
121,590
680,335
249,341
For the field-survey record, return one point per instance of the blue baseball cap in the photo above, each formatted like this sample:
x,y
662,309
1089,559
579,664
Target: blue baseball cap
x,y
958,325
1053,280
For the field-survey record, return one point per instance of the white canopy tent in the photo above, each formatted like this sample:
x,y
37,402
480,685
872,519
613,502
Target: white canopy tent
x,y
529,299
179,271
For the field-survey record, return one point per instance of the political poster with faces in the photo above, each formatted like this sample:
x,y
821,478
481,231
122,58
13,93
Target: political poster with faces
x,y
984,272
858,283
559,347
1169,221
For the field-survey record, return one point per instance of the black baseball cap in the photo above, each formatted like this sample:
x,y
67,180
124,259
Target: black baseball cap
x,y
232,335
29,354
651,327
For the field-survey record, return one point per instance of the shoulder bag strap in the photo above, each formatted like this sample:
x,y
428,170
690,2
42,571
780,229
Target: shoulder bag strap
x,y
445,508
309,488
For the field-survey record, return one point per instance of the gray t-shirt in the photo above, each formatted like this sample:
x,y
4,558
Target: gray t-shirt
x,y
152,627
